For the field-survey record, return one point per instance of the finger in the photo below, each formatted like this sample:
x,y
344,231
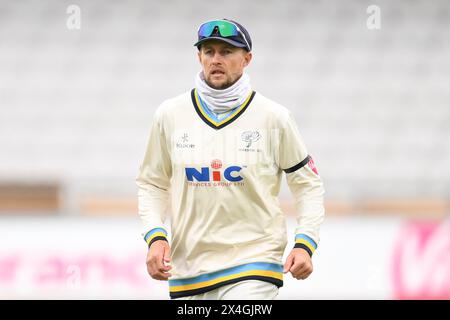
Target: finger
x,y
297,267
302,276
166,259
156,269
151,265
159,262
157,274
165,268
160,266
167,254
164,276
149,270
305,273
288,264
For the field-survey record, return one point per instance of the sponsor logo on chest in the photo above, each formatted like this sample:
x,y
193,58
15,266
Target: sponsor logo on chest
x,y
214,175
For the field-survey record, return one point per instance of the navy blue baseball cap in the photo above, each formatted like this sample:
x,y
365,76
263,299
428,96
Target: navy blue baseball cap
x,y
224,30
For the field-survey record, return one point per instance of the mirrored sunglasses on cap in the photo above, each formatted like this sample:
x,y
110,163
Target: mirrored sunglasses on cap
x,y
226,29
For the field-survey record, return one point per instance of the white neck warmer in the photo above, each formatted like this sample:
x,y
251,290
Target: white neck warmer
x,y
220,101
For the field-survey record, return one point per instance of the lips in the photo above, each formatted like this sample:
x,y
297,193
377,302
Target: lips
x,y
217,72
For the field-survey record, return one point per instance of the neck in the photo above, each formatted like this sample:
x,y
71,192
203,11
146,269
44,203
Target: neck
x,y
223,99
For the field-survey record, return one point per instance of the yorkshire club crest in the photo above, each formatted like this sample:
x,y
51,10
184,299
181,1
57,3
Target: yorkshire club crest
x,y
249,137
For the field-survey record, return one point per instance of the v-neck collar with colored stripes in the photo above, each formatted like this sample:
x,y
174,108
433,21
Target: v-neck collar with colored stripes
x,y
212,121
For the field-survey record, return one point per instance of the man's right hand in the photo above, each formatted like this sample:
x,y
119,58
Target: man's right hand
x,y
159,254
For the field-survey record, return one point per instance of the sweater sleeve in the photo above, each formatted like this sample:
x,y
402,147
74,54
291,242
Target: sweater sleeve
x,y
153,183
305,185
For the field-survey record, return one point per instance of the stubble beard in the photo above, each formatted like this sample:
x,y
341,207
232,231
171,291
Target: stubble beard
x,y
228,83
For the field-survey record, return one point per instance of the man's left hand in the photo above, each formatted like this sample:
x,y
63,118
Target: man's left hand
x,y
299,264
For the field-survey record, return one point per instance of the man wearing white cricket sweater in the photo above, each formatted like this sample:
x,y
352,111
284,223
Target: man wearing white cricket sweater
x,y
214,164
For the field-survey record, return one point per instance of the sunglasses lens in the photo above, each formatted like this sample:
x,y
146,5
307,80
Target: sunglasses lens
x,y
206,29
226,29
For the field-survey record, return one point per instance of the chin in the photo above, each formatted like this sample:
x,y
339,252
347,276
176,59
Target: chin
x,y
219,85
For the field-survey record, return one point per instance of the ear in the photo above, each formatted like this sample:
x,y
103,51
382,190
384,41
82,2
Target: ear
x,y
247,58
199,54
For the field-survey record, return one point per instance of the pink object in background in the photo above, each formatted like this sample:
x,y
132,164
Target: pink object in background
x,y
421,261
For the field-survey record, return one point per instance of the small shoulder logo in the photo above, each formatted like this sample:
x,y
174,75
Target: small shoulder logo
x,y
312,165
249,137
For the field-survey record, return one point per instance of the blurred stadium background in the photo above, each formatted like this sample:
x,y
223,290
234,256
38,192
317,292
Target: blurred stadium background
x,y
373,106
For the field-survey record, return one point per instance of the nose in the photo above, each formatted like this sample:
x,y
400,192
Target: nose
x,y
216,59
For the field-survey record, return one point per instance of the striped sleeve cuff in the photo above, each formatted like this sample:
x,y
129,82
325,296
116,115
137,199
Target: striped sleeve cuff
x,y
305,242
154,235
